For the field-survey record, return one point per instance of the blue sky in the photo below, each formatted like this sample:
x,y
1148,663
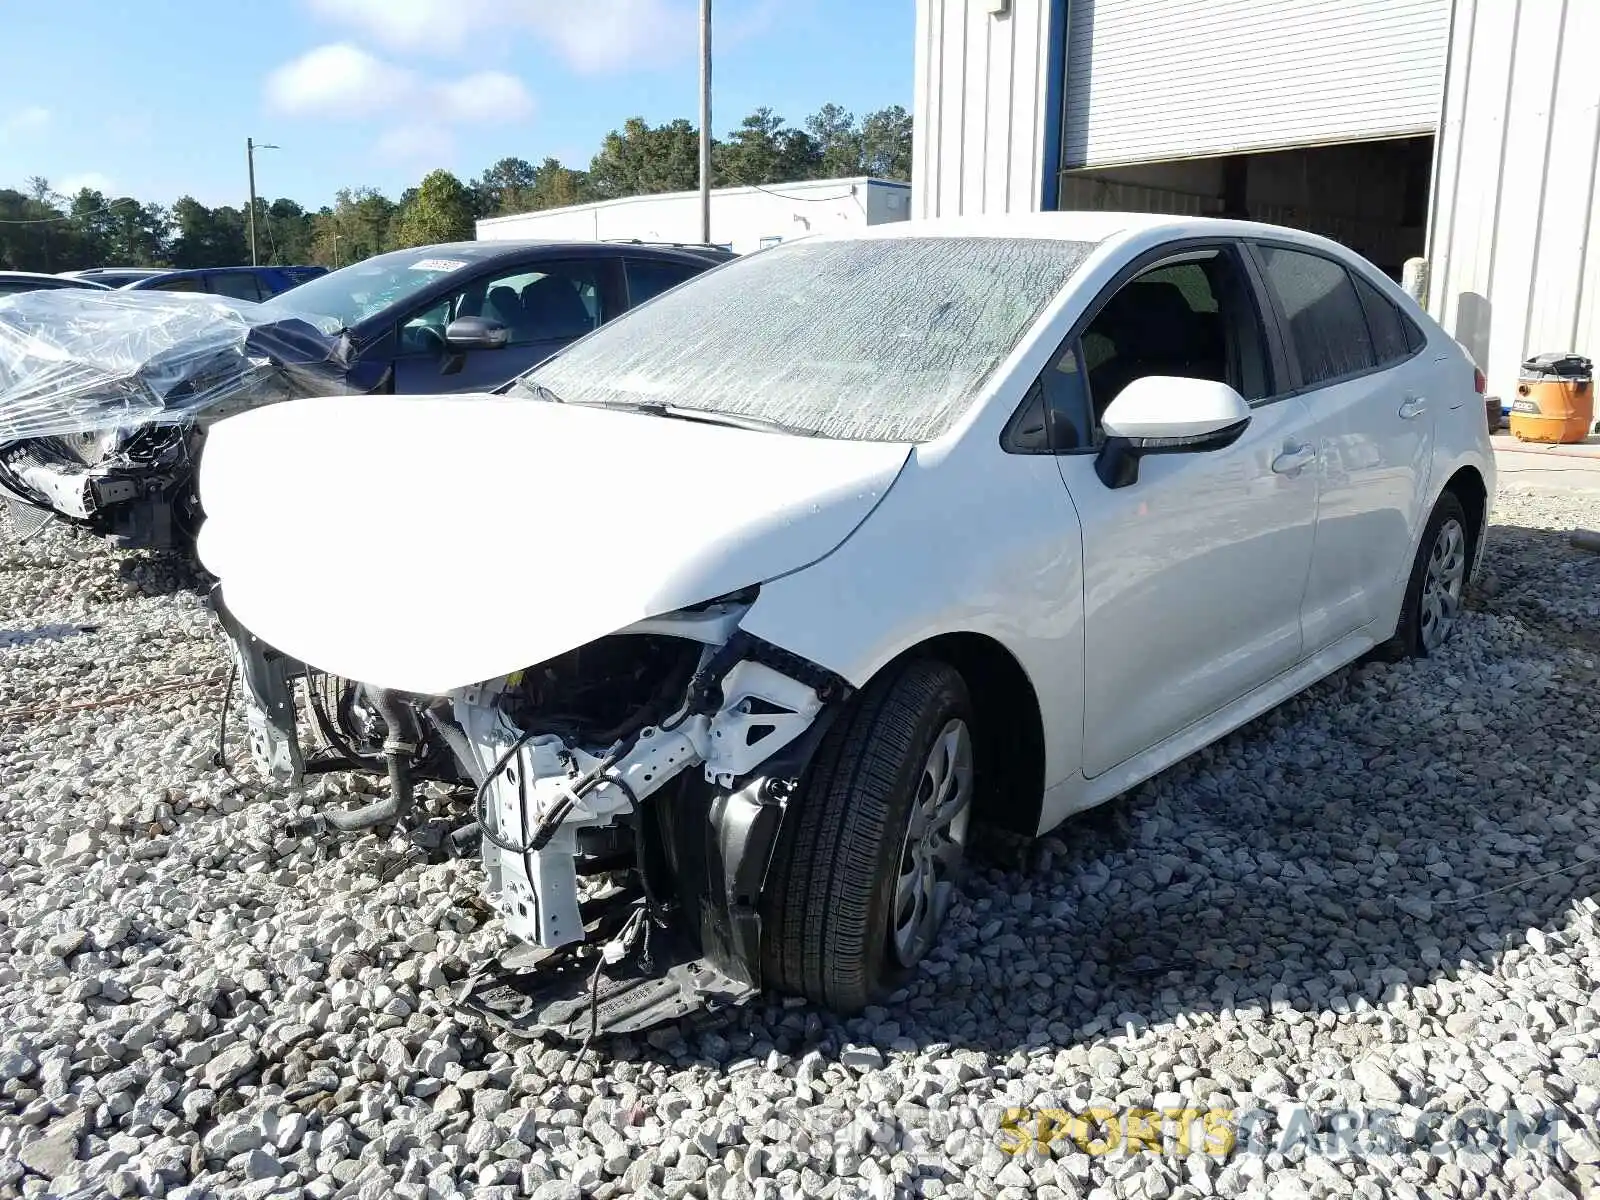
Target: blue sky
x,y
156,98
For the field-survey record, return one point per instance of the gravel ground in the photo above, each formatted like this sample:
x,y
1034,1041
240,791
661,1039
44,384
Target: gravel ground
x,y
1381,896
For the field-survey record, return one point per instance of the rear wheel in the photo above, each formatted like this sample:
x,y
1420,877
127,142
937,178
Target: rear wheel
x,y
871,848
1438,582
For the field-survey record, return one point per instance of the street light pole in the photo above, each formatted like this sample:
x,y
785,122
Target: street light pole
x,y
705,120
250,149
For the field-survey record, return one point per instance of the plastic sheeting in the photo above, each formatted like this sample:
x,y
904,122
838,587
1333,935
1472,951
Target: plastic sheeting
x,y
74,361
872,339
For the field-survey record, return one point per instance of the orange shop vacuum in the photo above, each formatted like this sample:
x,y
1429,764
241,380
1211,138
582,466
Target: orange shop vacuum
x,y
1555,399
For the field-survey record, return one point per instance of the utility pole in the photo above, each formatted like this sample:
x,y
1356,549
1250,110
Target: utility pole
x,y
705,120
250,158
250,149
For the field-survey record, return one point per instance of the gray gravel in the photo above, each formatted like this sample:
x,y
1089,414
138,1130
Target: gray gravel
x,y
1381,895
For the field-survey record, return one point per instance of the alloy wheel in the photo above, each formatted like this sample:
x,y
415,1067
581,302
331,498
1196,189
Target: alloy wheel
x,y
935,843
1442,585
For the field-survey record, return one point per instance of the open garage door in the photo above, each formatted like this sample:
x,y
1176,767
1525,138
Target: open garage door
x,y
1150,80
1372,196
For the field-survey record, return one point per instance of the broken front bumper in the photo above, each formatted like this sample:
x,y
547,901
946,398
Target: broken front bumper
x,y
697,800
134,506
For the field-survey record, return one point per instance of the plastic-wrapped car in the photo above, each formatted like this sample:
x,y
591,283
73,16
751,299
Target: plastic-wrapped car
x,y
104,398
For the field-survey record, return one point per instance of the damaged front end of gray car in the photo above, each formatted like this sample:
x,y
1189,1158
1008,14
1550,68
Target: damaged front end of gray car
x,y
106,396
625,799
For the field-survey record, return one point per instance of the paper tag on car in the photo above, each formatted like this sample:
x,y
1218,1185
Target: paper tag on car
x,y
438,264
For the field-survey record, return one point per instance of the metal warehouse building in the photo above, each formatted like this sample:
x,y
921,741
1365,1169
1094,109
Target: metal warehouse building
x,y
1462,131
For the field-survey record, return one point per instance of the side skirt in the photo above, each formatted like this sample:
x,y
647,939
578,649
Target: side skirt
x,y
1077,794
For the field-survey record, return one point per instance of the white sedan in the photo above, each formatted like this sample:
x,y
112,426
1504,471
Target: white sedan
x,y
746,606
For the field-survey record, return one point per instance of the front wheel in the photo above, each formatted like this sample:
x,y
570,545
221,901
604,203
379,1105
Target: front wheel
x,y
1438,581
872,845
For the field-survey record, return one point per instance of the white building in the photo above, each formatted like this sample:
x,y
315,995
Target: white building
x,y
1463,131
742,218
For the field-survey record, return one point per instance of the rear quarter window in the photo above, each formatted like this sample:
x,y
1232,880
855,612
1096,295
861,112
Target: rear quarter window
x,y
1394,335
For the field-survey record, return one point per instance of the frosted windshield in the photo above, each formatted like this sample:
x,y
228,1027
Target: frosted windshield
x,y
873,339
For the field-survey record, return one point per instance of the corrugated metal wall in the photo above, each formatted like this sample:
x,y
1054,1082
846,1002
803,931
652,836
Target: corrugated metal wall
x,y
1513,273
1154,79
980,107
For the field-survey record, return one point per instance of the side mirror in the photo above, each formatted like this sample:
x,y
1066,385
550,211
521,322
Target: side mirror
x,y
1165,414
476,333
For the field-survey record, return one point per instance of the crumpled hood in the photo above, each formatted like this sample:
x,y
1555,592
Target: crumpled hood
x,y
427,543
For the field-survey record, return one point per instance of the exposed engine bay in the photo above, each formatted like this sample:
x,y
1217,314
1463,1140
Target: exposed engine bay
x,y
624,799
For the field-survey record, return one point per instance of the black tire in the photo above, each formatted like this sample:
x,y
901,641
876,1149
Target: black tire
x,y
830,891
1408,640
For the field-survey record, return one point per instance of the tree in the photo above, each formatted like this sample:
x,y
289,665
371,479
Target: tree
x,y
766,150
504,187
361,223
838,140
136,234
441,211
556,186
26,237
208,237
284,232
640,160
886,144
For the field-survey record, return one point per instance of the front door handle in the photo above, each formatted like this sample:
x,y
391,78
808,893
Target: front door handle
x,y
1413,407
1294,459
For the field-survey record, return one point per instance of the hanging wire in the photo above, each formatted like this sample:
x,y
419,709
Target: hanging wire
x,y
123,203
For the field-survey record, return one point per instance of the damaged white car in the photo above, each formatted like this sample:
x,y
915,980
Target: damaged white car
x,y
746,607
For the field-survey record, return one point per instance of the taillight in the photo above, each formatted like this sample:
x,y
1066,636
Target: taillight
x,y
1479,383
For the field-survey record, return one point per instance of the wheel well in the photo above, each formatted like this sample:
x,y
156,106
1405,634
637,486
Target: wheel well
x,y
1009,733
1467,484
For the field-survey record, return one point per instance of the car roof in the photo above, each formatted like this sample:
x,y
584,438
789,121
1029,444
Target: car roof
x,y
1076,226
495,248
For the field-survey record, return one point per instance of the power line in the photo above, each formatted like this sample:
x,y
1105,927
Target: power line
x,y
71,216
805,199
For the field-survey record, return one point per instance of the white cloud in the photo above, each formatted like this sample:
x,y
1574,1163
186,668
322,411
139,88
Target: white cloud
x,y
607,35
338,80
488,95
406,24
23,122
593,36
342,80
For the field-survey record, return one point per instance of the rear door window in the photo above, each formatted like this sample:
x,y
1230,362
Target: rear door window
x,y
241,285
648,278
1327,324
185,283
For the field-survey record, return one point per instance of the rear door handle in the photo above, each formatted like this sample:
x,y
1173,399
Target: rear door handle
x,y
1413,407
1294,459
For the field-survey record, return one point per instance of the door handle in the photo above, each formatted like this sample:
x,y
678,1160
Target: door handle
x,y
1413,407
1294,459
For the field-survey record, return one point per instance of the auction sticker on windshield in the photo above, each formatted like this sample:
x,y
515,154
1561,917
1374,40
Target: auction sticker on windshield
x,y
439,264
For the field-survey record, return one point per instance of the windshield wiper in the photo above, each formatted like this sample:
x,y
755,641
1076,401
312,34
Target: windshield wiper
x,y
706,416
537,390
